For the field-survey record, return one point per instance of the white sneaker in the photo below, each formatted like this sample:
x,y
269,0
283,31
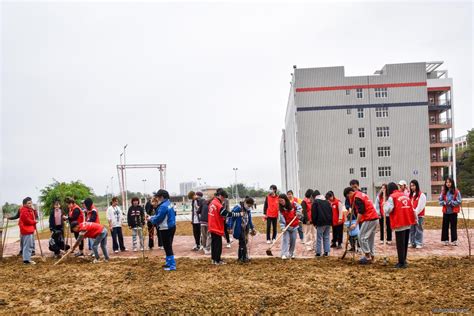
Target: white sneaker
x,y
115,251
293,256
134,249
454,243
96,261
302,241
284,257
389,242
381,242
419,246
207,252
446,243
269,242
227,246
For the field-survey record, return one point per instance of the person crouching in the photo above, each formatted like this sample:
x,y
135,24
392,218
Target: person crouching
x,y
95,231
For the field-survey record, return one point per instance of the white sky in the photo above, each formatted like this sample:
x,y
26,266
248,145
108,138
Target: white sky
x,y
201,87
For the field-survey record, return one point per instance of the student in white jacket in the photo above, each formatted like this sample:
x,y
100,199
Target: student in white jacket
x,y
115,218
418,200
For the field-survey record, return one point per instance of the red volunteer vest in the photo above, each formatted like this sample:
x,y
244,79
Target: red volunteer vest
x,y
382,213
455,208
80,219
308,208
370,212
92,229
289,215
402,213
89,214
273,208
414,202
215,220
335,213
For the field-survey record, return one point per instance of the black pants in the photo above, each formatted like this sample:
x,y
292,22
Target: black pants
x,y
389,229
337,232
271,222
168,236
117,235
402,238
197,234
449,220
160,237
243,240
81,244
226,234
151,235
216,247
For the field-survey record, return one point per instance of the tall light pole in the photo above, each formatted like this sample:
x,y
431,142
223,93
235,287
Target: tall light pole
x,y
144,186
107,195
199,182
235,183
112,186
122,188
125,175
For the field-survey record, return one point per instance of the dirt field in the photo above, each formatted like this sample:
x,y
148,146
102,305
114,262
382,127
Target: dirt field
x,y
327,285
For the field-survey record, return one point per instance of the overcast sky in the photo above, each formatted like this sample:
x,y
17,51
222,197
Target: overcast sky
x,y
200,87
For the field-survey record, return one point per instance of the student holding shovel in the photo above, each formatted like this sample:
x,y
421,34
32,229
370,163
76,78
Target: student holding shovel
x,y
95,231
289,213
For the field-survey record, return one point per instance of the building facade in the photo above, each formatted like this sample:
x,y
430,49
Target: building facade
x,y
389,126
185,187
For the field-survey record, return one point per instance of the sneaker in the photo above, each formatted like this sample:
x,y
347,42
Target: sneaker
x,y
400,266
419,246
284,257
302,241
293,256
364,260
115,251
333,245
268,242
79,254
227,246
207,252
381,242
413,245
220,263
389,242
106,260
124,249
318,255
446,243
195,248
339,246
29,262
96,261
161,248
326,254
134,249
141,249
454,243
91,254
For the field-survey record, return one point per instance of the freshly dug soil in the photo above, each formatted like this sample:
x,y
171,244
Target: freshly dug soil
x,y
325,285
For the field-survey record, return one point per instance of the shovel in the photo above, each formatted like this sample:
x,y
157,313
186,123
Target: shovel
x,y
64,256
39,244
269,250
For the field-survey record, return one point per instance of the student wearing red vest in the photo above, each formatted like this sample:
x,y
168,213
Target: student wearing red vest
x,y
75,215
367,216
270,212
400,210
418,201
379,202
27,224
292,198
216,216
450,199
308,227
93,231
288,212
92,216
338,219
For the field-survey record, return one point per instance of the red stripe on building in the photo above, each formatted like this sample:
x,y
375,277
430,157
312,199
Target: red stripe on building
x,y
439,88
366,86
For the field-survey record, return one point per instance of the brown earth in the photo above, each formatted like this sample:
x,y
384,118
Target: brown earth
x,y
326,285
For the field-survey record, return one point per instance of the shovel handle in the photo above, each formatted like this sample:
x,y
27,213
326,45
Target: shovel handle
x,y
282,232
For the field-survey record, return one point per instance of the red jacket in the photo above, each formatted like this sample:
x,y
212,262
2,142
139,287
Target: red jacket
x,y
27,221
89,214
272,208
402,213
370,212
414,202
215,220
80,219
335,213
92,230
289,215
308,208
455,208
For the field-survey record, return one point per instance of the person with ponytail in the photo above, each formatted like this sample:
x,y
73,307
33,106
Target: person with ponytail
x,y
402,217
450,199
289,213
381,198
418,200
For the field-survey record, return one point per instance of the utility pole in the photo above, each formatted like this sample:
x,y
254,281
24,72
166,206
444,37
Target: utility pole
x,y
235,183
112,186
144,188
107,195
125,176
122,193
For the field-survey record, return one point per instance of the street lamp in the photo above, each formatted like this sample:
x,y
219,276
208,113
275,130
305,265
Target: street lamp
x,y
112,186
125,175
107,195
235,183
144,186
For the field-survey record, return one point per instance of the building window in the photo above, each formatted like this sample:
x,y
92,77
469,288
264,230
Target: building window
x,y
381,92
351,170
385,172
360,94
383,151
351,151
383,131
348,111
364,190
363,172
362,152
381,112
360,113
361,132
349,131
348,92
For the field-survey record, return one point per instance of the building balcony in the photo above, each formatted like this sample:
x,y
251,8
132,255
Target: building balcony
x,y
444,142
440,124
441,107
441,163
437,182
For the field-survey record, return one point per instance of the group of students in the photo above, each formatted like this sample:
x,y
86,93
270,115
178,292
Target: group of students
x,y
398,208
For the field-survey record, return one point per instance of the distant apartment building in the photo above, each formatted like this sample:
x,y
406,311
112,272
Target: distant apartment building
x,y
185,187
379,128
460,142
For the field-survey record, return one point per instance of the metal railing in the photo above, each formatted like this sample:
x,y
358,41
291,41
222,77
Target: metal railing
x,y
442,140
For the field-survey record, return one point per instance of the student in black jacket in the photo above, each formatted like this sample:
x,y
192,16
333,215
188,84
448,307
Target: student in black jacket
x,y
321,213
136,221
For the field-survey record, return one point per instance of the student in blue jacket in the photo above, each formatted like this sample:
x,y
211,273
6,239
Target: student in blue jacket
x,y
241,226
165,218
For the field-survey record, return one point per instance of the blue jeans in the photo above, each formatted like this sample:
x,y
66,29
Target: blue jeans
x,y
322,238
300,231
416,233
135,231
90,241
28,242
102,240
288,242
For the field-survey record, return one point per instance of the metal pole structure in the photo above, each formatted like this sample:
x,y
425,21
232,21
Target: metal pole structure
x,y
125,176
107,195
112,186
122,182
235,183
